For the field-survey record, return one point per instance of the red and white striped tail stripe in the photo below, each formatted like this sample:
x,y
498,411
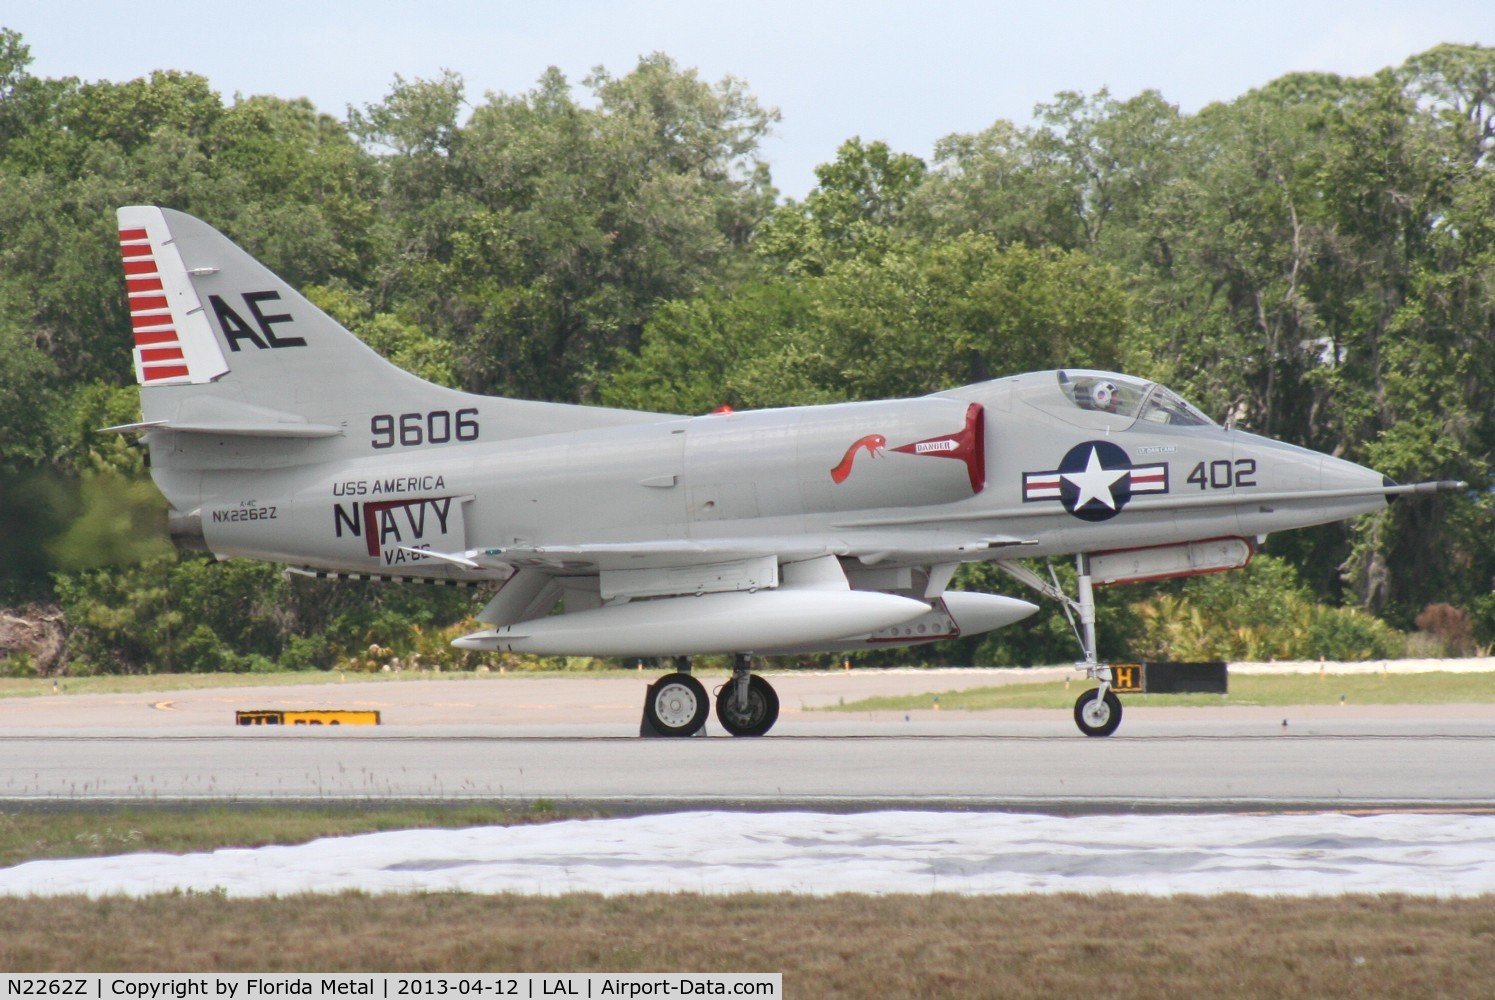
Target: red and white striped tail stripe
x,y
158,347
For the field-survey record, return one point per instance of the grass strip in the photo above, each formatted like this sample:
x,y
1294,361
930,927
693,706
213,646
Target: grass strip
x,y
35,687
30,835
839,946
1433,688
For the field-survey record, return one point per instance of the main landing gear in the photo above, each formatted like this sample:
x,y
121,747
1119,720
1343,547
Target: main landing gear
x,y
1097,711
677,704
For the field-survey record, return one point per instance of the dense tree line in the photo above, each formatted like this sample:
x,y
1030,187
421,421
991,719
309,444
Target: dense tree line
x,y
1314,260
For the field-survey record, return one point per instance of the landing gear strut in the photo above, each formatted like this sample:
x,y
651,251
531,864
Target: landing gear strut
x,y
1097,711
746,705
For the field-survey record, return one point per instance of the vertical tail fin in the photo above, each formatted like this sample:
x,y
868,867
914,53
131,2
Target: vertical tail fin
x,y
221,342
210,320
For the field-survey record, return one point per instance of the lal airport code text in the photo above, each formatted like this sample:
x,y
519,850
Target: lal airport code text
x,y
389,986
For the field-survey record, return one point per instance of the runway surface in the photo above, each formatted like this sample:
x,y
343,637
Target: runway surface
x,y
574,740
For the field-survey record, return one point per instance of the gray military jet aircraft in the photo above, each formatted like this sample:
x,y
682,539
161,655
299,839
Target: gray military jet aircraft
x,y
276,434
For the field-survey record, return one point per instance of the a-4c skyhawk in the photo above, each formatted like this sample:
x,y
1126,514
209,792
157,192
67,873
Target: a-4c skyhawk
x,y
276,434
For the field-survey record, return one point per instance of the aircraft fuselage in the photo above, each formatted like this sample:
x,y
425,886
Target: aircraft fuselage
x,y
1001,467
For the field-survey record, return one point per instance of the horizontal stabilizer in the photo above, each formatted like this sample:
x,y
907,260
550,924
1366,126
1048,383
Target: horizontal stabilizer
x,y
222,417
270,430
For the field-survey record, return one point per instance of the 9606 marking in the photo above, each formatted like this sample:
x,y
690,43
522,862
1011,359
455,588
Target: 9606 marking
x,y
411,430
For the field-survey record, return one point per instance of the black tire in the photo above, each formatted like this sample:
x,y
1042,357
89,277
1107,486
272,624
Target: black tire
x,y
757,716
1098,719
676,705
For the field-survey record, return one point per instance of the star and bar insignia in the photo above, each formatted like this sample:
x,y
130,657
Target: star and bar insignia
x,y
1095,480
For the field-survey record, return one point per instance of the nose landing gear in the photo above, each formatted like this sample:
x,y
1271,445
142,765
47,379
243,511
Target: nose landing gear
x,y
1097,711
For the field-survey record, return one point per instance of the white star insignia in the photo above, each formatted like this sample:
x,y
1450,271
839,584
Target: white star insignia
x,y
1095,482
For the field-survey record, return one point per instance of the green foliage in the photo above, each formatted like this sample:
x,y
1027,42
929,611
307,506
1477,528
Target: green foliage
x,y
859,199
28,395
402,343
540,235
176,613
169,614
914,318
36,506
1260,613
20,664
709,351
120,521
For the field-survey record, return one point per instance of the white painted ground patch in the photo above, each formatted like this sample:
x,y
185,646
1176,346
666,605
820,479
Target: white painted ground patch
x,y
819,854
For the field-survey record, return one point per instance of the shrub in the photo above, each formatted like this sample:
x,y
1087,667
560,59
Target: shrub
x,y
1260,613
1450,628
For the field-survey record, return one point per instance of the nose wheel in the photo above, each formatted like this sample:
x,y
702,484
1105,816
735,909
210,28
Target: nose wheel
x,y
1098,712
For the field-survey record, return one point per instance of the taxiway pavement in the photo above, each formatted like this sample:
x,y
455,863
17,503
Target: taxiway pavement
x,y
574,740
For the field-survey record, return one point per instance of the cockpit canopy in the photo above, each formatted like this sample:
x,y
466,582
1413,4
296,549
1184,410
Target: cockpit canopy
x,y
1107,399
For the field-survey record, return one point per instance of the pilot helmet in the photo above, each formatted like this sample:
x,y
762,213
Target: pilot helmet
x,y
1103,395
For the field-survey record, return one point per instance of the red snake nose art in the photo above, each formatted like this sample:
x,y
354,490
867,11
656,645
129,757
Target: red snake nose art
x,y
874,443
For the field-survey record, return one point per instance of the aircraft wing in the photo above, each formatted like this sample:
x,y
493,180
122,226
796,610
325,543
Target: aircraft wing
x,y
677,553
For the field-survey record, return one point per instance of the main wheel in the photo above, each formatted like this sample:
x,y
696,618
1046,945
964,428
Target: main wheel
x,y
676,705
754,718
1098,716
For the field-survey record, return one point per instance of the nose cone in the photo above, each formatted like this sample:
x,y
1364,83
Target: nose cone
x,y
1337,474
1286,468
1296,487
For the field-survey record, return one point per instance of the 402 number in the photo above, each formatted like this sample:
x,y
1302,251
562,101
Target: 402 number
x,y
1223,474
411,430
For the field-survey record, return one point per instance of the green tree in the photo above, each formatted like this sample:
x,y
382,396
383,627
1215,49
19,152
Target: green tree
x,y
547,231
914,319
859,200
